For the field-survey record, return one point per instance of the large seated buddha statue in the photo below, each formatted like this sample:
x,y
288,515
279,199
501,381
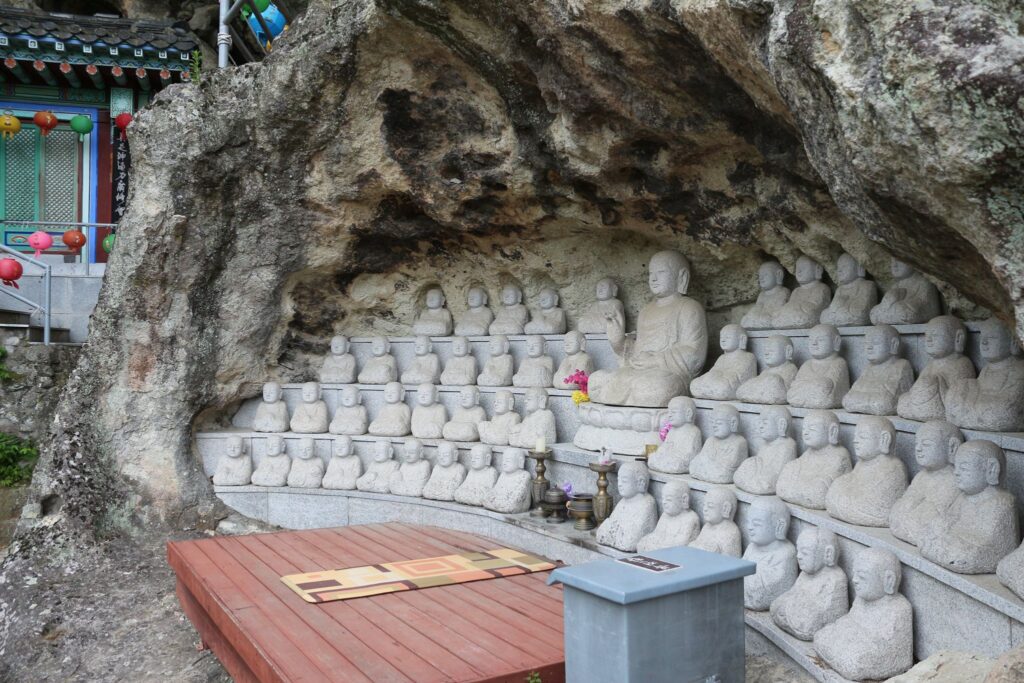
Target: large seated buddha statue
x,y
670,345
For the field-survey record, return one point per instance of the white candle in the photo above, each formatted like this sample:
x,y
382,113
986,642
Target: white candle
x,y
541,445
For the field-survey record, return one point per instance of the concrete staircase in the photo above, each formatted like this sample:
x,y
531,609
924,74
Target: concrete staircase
x,y
18,324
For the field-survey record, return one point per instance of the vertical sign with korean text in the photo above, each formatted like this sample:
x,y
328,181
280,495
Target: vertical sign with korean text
x,y
119,186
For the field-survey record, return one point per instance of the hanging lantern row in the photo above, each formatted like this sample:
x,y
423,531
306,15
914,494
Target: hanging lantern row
x,y
10,272
46,121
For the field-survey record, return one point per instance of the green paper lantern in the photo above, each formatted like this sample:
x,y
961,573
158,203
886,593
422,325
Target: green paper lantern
x,y
108,243
261,5
82,125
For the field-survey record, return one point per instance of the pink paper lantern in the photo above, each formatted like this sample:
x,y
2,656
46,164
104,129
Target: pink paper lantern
x,y
40,241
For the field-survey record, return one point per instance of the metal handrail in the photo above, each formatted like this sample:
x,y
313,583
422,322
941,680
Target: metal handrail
x,y
45,307
64,224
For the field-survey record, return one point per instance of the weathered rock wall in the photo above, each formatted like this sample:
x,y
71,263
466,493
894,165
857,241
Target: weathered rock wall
x,y
29,398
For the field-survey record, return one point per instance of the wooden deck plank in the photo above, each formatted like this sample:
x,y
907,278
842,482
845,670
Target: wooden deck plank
x,y
213,638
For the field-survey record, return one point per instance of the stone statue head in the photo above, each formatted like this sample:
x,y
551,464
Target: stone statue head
x,y
821,428
547,299
633,479
235,447
936,444
719,505
511,295
574,342
271,392
778,350
476,297
310,392
513,460
847,269
808,270
669,273
944,335
681,411
394,392
773,422
380,346
816,548
447,454
460,347
275,445
823,341
307,447
732,338
480,456
469,397
876,574
350,396
725,421
504,401
881,343
535,346
536,399
499,345
978,465
339,345
767,520
675,498
341,447
382,451
606,289
996,341
435,298
873,436
900,270
426,395
423,345
770,275
412,451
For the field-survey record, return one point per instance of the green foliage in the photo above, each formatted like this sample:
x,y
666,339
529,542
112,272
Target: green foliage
x,y
195,67
17,458
5,374
534,677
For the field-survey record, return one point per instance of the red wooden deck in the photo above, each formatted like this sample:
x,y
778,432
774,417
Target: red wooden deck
x,y
497,630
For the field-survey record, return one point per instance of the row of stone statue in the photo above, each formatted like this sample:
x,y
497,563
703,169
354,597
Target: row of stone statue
x,y
507,491
429,419
947,387
536,370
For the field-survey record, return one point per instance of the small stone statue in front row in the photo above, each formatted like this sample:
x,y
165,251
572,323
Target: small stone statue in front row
x,y
576,359
723,453
772,297
547,318
447,475
594,319
395,417
460,369
538,423
772,385
807,301
735,366
824,378
774,449
426,366
381,367
820,595
511,492
886,377
476,321
378,474
429,416
537,369
340,366
496,430
806,480
307,470
933,487
350,417
234,467
311,416
911,299
719,533
980,526
767,526
683,441
274,466
995,401
498,368
464,425
854,298
272,412
678,524
867,494
636,513
435,320
344,467
875,639
414,472
479,480
944,341
513,315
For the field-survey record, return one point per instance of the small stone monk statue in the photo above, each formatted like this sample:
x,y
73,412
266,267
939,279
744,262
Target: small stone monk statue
x,y
772,297
234,467
426,366
980,526
933,487
723,453
344,467
854,298
886,377
944,341
538,423
447,475
875,639
272,413
995,401
395,417
735,366
467,416
824,378
606,304
806,480
767,526
911,299
547,317
807,301
537,369
576,360
670,345
498,368
636,513
435,320
683,441
340,366
350,417
820,595
774,449
274,466
511,492
381,368
772,385
513,315
719,533
429,416
311,416
477,319
414,472
378,474
479,480
496,430
460,369
678,524
866,495
307,470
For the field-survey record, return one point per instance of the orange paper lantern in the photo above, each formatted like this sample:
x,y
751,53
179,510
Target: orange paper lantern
x,y
46,121
74,240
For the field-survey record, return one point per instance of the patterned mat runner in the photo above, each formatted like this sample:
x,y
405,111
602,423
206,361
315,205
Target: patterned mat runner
x,y
410,575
